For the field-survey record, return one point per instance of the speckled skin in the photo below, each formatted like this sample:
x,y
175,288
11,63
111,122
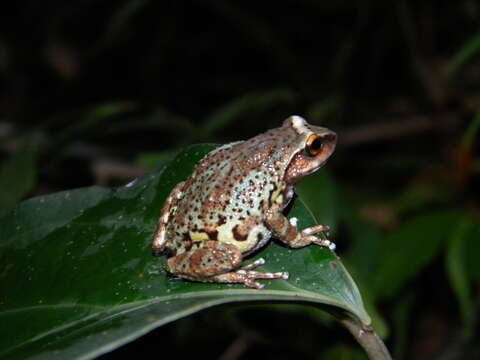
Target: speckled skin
x,y
232,204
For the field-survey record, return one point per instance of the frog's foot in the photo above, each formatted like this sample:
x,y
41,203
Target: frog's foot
x,y
248,277
324,242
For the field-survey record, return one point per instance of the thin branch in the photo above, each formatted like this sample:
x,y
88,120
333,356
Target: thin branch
x,y
367,338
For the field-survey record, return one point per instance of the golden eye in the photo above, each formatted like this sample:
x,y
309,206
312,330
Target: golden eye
x,y
314,145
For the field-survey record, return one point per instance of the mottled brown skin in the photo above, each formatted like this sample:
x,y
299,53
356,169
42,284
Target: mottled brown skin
x,y
232,204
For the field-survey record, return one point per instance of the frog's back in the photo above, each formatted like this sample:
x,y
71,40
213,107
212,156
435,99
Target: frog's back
x,y
221,201
233,200
226,196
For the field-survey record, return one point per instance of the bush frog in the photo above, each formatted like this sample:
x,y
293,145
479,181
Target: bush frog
x,y
232,204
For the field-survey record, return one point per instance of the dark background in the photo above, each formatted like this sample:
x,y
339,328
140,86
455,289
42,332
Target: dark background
x,y
98,92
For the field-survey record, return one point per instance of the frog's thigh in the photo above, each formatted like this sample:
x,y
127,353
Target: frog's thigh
x,y
205,260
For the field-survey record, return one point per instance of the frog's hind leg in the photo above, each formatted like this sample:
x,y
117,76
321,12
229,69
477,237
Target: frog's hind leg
x,y
204,260
213,261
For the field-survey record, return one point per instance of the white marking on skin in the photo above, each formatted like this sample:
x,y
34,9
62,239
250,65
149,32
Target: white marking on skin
x,y
285,275
293,221
160,239
332,246
298,123
165,217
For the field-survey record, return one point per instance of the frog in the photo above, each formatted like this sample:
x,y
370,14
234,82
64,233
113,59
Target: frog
x,y
233,203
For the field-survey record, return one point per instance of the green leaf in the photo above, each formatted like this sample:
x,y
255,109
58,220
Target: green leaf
x,y
319,193
418,196
464,241
342,352
471,134
378,322
402,322
91,120
17,178
465,54
365,242
406,251
78,279
362,254
153,159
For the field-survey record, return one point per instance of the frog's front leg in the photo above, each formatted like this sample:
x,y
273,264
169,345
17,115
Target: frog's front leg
x,y
287,231
213,261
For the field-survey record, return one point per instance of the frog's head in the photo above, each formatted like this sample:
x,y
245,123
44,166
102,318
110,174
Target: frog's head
x,y
314,145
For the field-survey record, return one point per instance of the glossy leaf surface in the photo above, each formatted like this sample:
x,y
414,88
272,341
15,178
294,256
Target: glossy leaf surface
x,y
77,277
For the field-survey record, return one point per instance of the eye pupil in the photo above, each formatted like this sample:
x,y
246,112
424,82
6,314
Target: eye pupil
x,y
316,144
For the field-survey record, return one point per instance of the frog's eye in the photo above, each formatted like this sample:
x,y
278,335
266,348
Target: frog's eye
x,y
314,145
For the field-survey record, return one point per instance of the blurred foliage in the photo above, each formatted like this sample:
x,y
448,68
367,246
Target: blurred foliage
x,y
17,178
99,92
